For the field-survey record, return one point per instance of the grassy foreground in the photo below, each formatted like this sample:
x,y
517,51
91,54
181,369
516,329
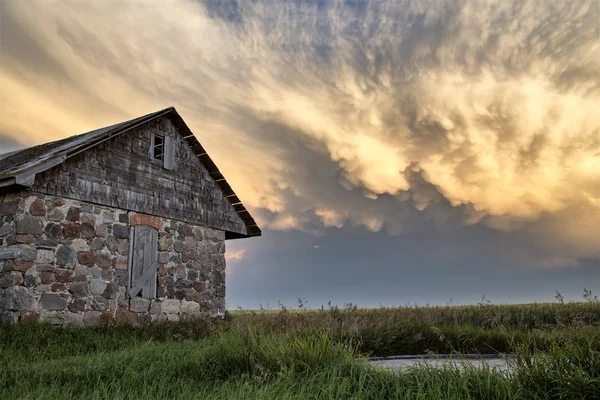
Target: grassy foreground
x,y
310,355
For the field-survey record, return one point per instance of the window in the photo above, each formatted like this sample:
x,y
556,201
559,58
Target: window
x,y
143,261
162,149
158,147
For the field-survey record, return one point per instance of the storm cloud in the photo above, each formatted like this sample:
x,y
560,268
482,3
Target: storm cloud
x,y
323,115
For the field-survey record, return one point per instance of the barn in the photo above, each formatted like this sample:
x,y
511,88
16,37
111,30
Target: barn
x,y
125,224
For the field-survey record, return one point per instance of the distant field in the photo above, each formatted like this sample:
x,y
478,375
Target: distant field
x,y
310,354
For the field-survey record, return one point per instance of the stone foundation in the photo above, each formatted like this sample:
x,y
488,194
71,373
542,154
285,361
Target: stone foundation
x,y
66,262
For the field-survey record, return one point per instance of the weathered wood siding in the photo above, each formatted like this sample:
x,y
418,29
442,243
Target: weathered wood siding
x,y
119,173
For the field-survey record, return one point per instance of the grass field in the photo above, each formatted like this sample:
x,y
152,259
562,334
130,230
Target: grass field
x,y
311,354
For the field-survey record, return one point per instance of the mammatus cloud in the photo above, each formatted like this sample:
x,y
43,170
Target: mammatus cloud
x,y
377,113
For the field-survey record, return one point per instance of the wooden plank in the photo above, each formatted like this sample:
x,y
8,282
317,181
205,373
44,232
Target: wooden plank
x,y
148,277
169,156
150,265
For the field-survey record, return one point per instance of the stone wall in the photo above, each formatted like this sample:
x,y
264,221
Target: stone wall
x,y
66,262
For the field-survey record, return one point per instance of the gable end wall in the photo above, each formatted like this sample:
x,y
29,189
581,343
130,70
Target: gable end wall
x,y
119,173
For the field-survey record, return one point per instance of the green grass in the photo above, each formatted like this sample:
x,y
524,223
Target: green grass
x,y
310,355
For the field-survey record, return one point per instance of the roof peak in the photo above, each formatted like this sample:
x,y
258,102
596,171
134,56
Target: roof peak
x,y
19,168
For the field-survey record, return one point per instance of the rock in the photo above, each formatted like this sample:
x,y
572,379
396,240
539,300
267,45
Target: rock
x,y
88,231
79,289
45,268
19,239
155,307
183,283
121,262
97,286
192,275
162,270
86,258
46,242
78,305
92,318
169,281
190,242
122,297
73,319
55,214
54,230
161,292
99,303
71,230
28,253
123,247
184,230
27,224
139,305
179,246
218,261
8,207
45,257
111,243
9,252
18,265
28,317
6,229
97,244
107,275
190,307
37,208
125,317
58,287
163,257
108,217
171,306
29,281
44,288
220,291
199,286
198,233
103,261
122,277
81,274
173,317
47,278
80,245
52,302
164,242
144,318
102,230
95,272
73,214
18,298
179,294
66,256
87,218
191,295
111,291
124,219
9,317
120,231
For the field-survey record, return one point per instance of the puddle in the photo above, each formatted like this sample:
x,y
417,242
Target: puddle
x,y
499,364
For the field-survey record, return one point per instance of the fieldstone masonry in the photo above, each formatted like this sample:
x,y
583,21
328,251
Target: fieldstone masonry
x,y
66,262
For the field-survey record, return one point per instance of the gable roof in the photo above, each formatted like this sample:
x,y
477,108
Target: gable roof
x,y
18,168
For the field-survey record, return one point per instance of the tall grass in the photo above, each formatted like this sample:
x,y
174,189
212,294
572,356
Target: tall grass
x,y
310,355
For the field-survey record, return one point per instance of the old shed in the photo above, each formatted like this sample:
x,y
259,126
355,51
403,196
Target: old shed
x,y
123,224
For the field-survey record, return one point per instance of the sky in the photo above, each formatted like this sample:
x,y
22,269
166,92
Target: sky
x,y
393,152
